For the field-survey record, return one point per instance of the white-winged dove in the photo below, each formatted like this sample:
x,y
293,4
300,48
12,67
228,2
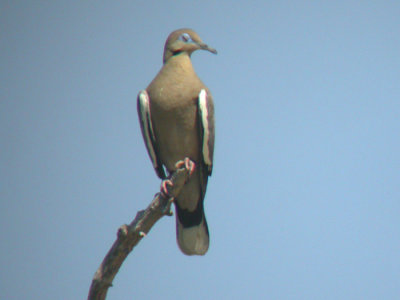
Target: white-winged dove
x,y
176,114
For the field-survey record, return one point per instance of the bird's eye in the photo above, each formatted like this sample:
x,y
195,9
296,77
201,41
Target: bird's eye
x,y
185,37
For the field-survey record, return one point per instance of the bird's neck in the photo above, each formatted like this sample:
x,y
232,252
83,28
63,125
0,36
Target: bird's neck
x,y
180,63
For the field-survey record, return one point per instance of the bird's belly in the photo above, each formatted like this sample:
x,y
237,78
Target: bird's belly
x,y
180,138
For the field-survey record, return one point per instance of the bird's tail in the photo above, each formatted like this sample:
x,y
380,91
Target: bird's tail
x,y
192,231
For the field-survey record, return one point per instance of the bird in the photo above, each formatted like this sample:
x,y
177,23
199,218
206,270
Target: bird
x,y
176,115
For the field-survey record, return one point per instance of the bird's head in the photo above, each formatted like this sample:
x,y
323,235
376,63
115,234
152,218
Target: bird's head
x,y
184,41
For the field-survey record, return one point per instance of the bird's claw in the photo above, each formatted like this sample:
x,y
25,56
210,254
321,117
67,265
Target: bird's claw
x,y
188,164
164,188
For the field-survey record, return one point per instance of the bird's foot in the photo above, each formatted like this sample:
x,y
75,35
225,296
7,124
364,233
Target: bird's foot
x,y
164,187
165,193
188,164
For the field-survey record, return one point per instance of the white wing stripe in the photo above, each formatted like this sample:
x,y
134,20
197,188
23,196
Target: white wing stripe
x,y
204,120
146,119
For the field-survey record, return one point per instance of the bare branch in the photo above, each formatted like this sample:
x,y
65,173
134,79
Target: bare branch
x,y
130,235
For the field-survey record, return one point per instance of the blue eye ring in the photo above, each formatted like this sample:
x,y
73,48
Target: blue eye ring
x,y
185,37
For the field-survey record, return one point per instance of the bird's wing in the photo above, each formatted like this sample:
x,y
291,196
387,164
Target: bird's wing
x,y
143,108
191,224
207,128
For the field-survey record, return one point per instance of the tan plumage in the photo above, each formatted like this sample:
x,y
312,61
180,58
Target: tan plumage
x,y
181,124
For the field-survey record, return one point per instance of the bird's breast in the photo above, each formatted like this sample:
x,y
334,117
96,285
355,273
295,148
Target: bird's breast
x,y
173,105
175,125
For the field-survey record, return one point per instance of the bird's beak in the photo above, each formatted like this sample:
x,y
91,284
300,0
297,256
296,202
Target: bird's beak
x,y
206,47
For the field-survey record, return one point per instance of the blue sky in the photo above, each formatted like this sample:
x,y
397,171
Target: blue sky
x,y
304,201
